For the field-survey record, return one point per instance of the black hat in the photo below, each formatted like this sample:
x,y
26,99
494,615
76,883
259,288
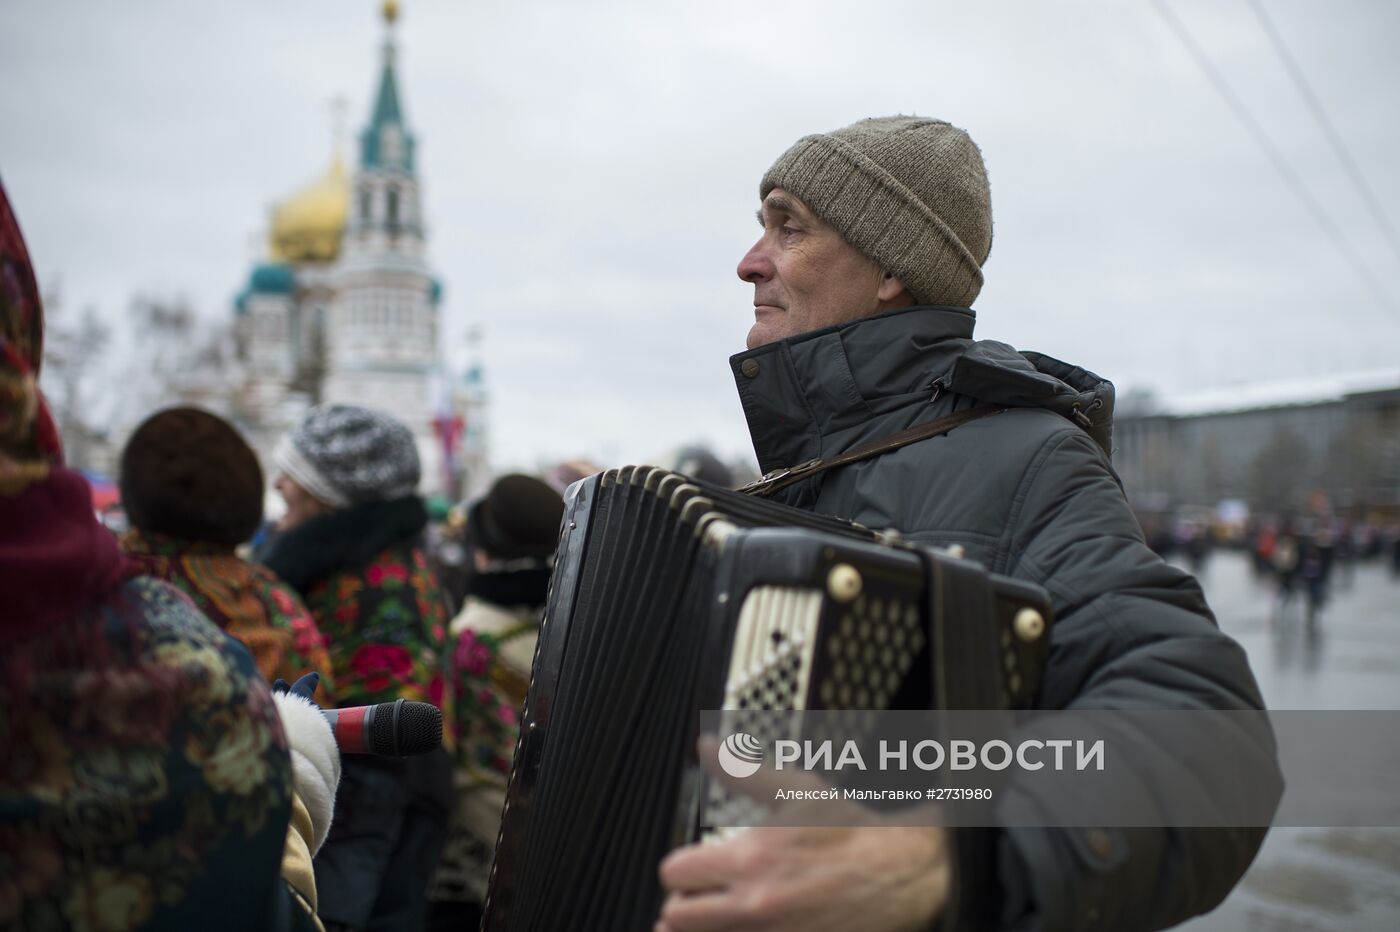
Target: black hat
x,y
187,473
699,463
518,518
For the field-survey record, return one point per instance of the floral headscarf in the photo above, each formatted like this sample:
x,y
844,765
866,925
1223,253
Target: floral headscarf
x,y
55,558
28,439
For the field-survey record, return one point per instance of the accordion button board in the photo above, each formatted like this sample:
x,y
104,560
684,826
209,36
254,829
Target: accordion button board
x,y
670,597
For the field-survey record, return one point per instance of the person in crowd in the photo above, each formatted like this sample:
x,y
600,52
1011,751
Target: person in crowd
x,y
1392,545
351,544
1262,537
562,475
1194,541
1322,544
193,491
1347,550
1316,558
864,275
1157,533
446,554
511,534
145,781
1286,558
700,463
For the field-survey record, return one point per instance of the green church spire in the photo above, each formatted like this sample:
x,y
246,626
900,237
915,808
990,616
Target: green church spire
x,y
386,143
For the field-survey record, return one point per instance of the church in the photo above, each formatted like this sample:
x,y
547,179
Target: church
x,y
345,309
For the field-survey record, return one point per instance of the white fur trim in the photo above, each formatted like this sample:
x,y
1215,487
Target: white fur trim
x,y
315,760
301,471
483,617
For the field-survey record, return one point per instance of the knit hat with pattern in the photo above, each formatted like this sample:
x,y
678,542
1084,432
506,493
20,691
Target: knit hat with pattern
x,y
345,455
909,192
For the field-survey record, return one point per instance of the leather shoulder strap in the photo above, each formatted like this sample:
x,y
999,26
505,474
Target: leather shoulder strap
x,y
782,478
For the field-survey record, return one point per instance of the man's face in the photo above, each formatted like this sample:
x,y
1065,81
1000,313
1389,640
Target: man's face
x,y
805,276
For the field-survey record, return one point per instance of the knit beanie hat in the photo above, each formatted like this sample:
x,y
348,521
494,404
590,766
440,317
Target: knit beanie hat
x,y
518,518
187,473
909,192
345,455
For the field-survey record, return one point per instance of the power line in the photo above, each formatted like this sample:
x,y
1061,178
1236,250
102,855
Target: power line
x,y
1272,152
1320,114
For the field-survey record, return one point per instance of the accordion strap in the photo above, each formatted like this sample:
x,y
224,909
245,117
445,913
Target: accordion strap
x,y
782,478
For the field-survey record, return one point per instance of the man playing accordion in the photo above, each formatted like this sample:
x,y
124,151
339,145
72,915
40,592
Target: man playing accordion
x,y
869,261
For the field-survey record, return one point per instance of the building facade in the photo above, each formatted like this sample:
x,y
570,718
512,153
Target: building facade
x,y
1268,446
346,309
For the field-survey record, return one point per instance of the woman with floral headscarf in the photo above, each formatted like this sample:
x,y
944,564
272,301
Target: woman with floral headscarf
x,y
145,781
351,544
193,490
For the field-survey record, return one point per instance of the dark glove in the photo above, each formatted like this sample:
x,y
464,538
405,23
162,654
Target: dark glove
x,y
304,688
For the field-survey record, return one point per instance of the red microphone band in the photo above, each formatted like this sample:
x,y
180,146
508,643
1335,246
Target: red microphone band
x,y
352,729
390,729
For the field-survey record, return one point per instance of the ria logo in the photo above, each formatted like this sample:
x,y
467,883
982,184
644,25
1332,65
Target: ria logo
x,y
741,755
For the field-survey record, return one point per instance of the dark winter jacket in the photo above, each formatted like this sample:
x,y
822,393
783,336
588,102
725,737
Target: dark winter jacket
x,y
1029,493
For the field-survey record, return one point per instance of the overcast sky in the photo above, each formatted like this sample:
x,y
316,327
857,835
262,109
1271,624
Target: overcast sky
x,y
590,174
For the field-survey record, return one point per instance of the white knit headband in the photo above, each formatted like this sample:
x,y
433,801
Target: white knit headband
x,y
300,470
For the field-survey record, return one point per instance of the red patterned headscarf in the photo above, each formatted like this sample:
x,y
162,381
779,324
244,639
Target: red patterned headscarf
x,y
28,439
55,558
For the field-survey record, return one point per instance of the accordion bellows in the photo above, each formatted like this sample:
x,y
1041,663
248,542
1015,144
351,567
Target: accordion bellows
x,y
670,597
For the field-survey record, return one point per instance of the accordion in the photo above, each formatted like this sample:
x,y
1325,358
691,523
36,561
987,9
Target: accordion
x,y
669,597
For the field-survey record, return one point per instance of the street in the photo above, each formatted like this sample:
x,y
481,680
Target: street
x,y
1329,880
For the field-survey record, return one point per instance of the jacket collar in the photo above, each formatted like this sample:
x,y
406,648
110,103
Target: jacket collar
x,y
805,396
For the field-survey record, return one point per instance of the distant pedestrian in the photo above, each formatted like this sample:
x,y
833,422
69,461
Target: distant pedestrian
x,y
1347,553
1315,568
1263,541
1392,547
1286,554
1195,543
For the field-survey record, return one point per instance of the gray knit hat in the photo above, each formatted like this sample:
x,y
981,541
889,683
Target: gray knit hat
x,y
909,192
345,455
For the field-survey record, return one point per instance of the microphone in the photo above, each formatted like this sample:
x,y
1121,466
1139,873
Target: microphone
x,y
389,729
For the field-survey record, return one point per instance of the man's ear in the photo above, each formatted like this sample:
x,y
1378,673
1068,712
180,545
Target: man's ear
x,y
892,293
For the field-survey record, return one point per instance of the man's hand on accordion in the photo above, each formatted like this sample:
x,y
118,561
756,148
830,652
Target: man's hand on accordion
x,y
875,877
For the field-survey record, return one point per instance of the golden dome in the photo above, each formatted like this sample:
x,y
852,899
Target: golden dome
x,y
308,226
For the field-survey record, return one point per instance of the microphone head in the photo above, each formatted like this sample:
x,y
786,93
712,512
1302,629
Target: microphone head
x,y
404,728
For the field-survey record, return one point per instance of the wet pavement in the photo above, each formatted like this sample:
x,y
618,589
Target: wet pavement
x,y
1313,879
